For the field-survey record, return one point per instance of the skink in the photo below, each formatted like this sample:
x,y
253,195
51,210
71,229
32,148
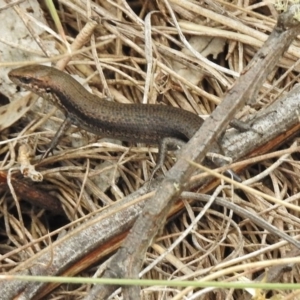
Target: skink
x,y
154,124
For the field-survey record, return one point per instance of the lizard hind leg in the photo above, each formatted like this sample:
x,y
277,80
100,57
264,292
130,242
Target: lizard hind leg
x,y
168,143
164,145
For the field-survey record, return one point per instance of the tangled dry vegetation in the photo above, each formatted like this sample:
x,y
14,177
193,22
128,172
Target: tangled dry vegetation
x,y
143,57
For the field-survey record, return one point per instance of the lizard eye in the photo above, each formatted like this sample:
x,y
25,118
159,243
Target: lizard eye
x,y
48,90
26,80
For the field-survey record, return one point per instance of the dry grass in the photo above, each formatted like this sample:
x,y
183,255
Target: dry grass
x,y
143,59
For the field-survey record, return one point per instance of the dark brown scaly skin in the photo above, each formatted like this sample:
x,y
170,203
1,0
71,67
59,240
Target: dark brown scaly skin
x,y
158,124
